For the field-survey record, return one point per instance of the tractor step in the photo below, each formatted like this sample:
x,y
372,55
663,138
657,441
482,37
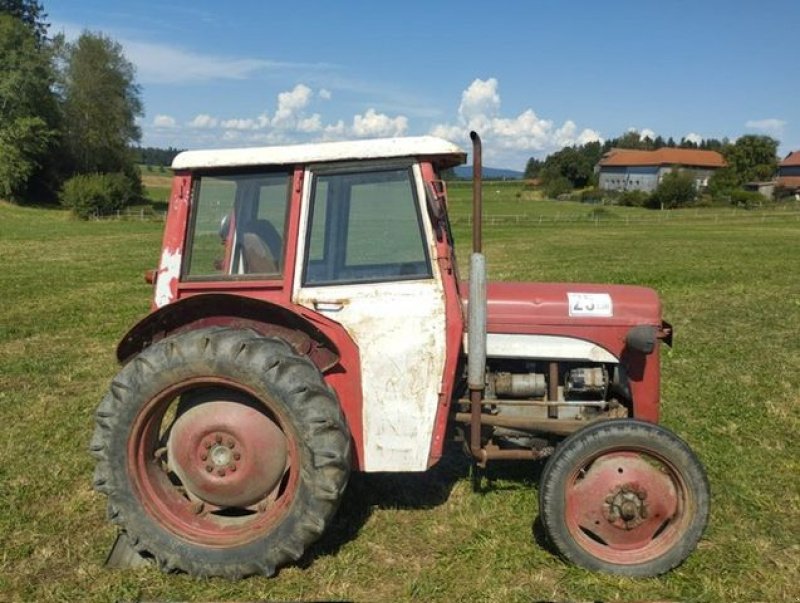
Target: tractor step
x,y
123,556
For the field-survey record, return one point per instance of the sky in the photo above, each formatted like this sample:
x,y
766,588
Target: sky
x,y
529,76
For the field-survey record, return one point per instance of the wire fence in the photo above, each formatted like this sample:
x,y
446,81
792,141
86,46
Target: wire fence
x,y
601,217
657,217
140,214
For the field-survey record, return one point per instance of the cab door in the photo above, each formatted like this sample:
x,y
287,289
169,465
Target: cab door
x,y
365,261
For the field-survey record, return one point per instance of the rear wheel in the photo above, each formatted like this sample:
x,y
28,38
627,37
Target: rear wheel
x,y
222,452
624,497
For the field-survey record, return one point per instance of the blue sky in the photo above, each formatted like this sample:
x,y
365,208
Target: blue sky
x,y
530,76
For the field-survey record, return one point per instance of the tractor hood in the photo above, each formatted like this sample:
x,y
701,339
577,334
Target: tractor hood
x,y
515,307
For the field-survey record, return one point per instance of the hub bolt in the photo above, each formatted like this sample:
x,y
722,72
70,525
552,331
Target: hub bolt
x,y
218,438
237,456
232,468
207,445
230,443
209,468
221,472
203,456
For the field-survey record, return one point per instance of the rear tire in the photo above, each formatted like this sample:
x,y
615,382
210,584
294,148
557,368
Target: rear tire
x,y
258,465
624,497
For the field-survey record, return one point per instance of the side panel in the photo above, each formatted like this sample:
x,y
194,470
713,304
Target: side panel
x,y
169,268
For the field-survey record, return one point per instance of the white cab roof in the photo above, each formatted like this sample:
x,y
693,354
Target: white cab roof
x,y
441,151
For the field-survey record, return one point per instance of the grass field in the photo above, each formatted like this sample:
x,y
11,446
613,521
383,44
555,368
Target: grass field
x,y
730,283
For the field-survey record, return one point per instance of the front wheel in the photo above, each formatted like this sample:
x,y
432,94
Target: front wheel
x,y
624,497
221,452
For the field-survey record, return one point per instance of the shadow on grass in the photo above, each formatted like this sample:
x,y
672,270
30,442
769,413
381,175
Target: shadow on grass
x,y
368,492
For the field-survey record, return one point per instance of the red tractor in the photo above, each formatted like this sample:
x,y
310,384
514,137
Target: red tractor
x,y
309,321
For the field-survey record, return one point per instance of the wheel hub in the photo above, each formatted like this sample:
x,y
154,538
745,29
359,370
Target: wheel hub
x,y
625,506
228,454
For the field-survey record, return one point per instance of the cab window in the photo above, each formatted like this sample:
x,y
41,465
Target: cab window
x,y
237,226
365,227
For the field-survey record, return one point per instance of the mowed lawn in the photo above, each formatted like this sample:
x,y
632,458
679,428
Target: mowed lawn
x,y
730,284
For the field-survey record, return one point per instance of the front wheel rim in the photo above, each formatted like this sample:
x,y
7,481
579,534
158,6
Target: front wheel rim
x,y
627,507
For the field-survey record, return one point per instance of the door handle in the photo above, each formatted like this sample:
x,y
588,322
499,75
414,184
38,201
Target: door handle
x,y
328,306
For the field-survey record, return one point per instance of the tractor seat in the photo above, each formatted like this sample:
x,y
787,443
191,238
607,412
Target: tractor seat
x,y
256,255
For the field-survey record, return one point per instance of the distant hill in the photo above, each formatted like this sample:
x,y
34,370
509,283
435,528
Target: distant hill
x,y
465,171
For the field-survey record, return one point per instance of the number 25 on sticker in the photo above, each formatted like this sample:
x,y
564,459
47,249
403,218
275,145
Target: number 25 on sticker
x,y
590,304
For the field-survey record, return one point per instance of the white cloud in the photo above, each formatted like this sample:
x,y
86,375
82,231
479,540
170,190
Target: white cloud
x,y
694,137
770,125
164,121
203,121
527,132
588,135
163,64
334,131
290,103
239,124
378,124
479,100
324,94
647,133
310,124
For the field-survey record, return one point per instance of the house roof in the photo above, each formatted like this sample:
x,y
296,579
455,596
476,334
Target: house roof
x,y
792,159
441,151
663,156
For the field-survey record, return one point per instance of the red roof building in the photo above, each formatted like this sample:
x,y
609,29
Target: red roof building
x,y
789,172
630,169
664,156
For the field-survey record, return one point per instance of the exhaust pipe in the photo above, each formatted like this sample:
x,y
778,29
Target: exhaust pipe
x,y
476,361
477,192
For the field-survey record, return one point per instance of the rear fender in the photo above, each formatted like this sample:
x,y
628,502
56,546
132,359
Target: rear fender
x,y
236,311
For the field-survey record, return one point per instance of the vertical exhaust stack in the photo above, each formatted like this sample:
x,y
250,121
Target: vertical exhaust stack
x,y
477,192
476,361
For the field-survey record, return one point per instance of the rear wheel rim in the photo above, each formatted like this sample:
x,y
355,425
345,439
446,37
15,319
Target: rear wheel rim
x,y
627,507
237,501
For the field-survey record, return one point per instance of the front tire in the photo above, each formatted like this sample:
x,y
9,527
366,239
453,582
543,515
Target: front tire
x,y
222,453
624,497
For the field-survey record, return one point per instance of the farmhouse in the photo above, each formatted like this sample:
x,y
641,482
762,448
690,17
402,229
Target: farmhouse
x,y
627,169
789,172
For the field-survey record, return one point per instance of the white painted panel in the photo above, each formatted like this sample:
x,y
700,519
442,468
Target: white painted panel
x,y
169,270
543,347
301,154
399,328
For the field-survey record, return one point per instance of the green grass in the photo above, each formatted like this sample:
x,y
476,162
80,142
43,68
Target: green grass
x,y
730,285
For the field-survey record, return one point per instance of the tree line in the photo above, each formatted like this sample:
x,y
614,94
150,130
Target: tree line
x,y
68,113
155,155
749,158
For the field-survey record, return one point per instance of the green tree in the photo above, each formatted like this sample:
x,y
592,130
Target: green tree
x,y
30,13
533,167
676,189
29,114
574,164
722,182
752,158
101,104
